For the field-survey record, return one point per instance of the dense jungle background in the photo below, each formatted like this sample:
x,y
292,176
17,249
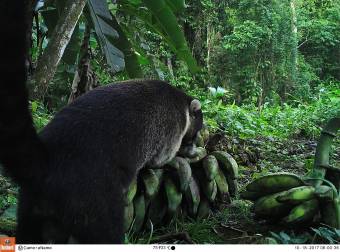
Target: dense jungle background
x,y
267,73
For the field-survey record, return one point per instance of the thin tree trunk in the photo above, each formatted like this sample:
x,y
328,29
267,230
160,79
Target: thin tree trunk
x,y
294,44
62,33
210,37
84,78
171,70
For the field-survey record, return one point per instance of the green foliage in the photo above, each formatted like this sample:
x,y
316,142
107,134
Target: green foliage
x,y
284,238
7,200
329,235
303,119
100,18
40,115
318,235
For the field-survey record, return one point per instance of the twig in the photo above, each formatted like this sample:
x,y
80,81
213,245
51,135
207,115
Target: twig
x,y
233,228
151,232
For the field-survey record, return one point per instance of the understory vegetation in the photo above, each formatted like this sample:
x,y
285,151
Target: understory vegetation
x,y
267,73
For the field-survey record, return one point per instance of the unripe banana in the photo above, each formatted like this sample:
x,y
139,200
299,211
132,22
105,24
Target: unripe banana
x,y
269,207
233,186
151,182
131,192
210,167
128,216
222,186
192,196
183,171
203,209
227,163
303,213
209,189
249,195
200,154
140,211
174,197
297,195
274,183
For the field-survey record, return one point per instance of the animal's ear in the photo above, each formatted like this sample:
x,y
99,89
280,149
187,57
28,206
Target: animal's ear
x,y
195,105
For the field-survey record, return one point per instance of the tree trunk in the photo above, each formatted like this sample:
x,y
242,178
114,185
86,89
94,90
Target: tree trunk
x,y
84,78
170,68
210,42
294,44
62,33
29,22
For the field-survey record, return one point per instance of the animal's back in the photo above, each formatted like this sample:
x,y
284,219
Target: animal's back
x,y
97,144
118,117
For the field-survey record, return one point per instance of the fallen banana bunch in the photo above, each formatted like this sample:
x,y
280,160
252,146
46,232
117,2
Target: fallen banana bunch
x,y
183,187
289,199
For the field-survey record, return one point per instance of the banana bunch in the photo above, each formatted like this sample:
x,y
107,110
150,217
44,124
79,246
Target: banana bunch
x,y
330,205
183,187
286,198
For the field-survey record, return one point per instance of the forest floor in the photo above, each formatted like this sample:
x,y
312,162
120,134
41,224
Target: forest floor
x,y
232,223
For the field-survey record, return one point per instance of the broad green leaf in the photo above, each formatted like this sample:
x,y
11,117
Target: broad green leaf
x,y
172,32
106,33
177,6
131,61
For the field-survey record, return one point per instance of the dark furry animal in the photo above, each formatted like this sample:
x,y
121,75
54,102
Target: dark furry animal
x,y
73,175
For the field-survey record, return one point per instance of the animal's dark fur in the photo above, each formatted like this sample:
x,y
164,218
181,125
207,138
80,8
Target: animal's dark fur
x,y
73,175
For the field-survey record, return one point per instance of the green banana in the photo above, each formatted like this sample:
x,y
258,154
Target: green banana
x,y
140,210
159,173
151,182
200,154
233,186
192,196
203,208
128,216
210,167
248,195
268,207
174,197
222,186
209,189
297,195
302,213
227,163
131,192
274,183
182,170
